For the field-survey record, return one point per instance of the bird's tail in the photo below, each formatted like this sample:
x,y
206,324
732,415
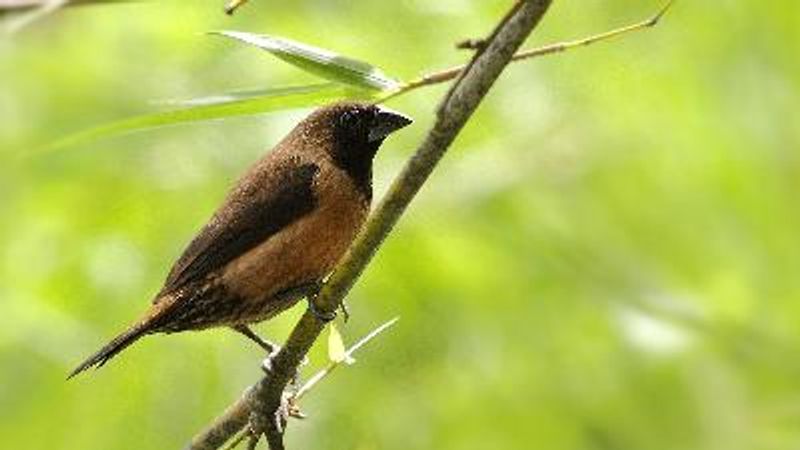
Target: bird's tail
x,y
110,350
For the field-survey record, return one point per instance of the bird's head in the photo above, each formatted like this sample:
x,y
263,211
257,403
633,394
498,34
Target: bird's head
x,y
358,130
354,133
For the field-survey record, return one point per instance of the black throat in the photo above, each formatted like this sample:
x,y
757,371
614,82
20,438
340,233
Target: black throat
x,y
355,158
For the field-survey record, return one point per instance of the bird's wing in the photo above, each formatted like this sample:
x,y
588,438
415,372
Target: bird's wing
x,y
256,209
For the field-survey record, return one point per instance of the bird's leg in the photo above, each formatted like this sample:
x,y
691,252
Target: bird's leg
x,y
322,316
310,292
325,317
269,347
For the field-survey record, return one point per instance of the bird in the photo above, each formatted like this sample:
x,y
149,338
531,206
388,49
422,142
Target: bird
x,y
278,233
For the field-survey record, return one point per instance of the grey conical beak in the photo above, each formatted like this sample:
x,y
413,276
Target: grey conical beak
x,y
386,123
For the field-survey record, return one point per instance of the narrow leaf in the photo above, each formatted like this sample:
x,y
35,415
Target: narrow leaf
x,y
317,61
218,107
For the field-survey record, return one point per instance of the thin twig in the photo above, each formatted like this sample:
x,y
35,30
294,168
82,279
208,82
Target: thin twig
x,y
233,5
445,75
562,46
322,374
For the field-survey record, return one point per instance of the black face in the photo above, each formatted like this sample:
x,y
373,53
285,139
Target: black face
x,y
352,125
359,130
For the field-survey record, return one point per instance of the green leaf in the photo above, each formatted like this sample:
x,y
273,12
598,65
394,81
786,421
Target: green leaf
x,y
320,62
218,107
336,350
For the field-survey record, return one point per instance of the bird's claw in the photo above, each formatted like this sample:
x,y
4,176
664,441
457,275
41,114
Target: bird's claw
x,y
322,316
266,364
313,290
327,316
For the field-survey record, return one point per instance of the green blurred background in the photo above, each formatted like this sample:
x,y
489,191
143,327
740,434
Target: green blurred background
x,y
608,257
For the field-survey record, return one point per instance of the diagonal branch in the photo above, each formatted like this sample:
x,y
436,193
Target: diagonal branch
x,y
452,114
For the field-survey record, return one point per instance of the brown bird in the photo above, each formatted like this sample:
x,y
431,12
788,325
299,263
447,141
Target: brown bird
x,y
278,233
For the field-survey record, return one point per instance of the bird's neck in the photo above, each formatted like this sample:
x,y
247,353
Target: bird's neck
x,y
357,163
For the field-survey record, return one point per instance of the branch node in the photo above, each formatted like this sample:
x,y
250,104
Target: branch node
x,y
471,44
657,17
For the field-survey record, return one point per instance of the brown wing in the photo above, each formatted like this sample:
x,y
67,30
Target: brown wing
x,y
258,208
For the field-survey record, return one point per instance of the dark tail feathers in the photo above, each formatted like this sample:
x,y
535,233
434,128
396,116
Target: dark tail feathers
x,y
110,350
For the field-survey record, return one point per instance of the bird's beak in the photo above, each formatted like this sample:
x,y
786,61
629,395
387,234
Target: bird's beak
x,y
386,123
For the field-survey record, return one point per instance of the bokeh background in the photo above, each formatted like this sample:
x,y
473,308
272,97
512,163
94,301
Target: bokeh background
x,y
608,257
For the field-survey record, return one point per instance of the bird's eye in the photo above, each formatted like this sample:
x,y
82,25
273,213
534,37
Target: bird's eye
x,y
353,124
348,120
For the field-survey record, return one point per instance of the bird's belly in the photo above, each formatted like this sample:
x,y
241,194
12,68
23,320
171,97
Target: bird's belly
x,y
303,252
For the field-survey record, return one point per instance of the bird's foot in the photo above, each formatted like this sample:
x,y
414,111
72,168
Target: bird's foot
x,y
267,366
326,316
271,348
322,316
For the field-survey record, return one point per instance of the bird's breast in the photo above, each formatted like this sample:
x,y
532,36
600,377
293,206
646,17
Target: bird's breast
x,y
307,249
